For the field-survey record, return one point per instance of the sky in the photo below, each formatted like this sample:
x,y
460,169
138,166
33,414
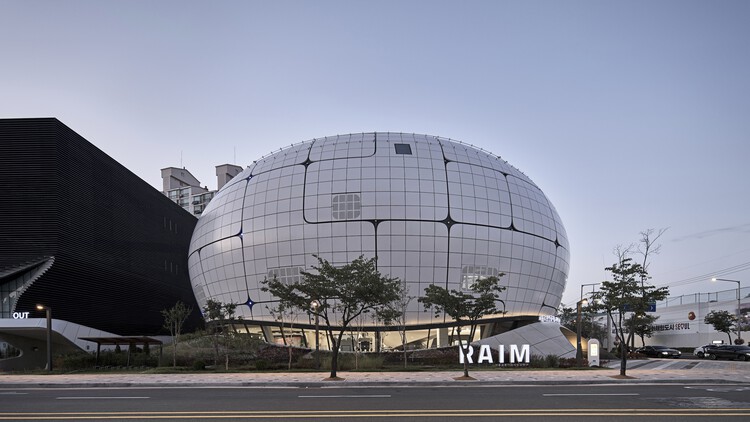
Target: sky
x,y
628,115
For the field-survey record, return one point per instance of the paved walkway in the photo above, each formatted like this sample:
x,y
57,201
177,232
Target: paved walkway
x,y
639,371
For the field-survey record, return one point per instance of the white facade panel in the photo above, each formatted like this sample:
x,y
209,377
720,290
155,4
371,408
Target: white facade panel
x,y
433,211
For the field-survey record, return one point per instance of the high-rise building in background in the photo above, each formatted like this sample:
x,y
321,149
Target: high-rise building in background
x,y
185,190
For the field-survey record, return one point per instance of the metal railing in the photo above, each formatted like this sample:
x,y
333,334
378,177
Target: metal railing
x,y
720,296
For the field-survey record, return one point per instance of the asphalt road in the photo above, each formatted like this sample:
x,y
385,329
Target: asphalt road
x,y
665,402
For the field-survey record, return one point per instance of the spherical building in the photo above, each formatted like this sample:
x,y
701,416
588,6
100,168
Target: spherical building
x,y
432,210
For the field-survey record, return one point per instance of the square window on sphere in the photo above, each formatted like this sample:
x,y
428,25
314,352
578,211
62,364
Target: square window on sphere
x,y
403,149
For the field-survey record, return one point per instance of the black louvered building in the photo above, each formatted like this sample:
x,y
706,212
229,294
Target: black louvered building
x,y
82,234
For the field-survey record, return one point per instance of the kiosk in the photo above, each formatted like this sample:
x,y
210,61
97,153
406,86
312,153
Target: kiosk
x,y
594,352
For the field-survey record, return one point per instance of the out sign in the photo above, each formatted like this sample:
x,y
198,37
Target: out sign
x,y
20,315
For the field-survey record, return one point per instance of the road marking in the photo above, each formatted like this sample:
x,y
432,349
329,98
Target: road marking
x,y
386,413
719,388
663,366
592,394
101,398
12,393
377,396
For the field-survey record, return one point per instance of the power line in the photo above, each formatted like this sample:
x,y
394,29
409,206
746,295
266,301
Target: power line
x,y
704,277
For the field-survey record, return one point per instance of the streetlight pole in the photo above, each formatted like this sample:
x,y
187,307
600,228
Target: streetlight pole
x,y
314,305
48,312
579,352
589,284
739,314
579,319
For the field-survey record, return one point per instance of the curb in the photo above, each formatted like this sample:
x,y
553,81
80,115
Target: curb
x,y
348,384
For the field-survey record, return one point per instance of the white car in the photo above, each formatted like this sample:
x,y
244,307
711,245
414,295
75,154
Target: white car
x,y
701,351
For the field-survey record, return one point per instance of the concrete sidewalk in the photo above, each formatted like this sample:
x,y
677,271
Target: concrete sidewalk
x,y
640,371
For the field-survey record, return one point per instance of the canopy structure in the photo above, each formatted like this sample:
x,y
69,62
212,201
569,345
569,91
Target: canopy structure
x,y
130,341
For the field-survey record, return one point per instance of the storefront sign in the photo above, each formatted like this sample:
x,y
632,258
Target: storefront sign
x,y
675,326
20,315
549,318
671,327
516,355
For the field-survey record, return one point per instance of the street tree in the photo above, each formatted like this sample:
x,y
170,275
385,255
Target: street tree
x,y
341,295
174,319
589,328
286,315
722,321
628,292
396,315
567,316
641,325
466,308
358,342
217,315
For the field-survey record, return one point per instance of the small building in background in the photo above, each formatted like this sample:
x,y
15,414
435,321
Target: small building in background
x,y
185,190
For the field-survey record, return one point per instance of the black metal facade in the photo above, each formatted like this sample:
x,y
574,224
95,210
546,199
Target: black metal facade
x,y
83,235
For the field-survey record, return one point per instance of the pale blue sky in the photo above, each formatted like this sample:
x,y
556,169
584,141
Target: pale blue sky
x,y
629,115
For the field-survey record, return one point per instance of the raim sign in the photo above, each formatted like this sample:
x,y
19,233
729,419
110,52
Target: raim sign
x,y
515,354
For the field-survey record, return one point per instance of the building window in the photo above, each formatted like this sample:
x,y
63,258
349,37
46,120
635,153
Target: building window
x,y
286,275
403,149
346,206
471,273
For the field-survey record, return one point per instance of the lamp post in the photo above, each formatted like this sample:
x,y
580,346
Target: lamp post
x,y
48,311
589,284
739,314
314,305
503,302
579,352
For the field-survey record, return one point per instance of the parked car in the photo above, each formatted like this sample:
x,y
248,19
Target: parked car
x,y
659,352
700,351
729,352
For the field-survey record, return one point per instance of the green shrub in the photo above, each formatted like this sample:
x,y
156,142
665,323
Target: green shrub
x,y
75,361
537,361
199,365
261,365
548,361
552,361
307,361
607,355
572,362
442,356
364,361
280,354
